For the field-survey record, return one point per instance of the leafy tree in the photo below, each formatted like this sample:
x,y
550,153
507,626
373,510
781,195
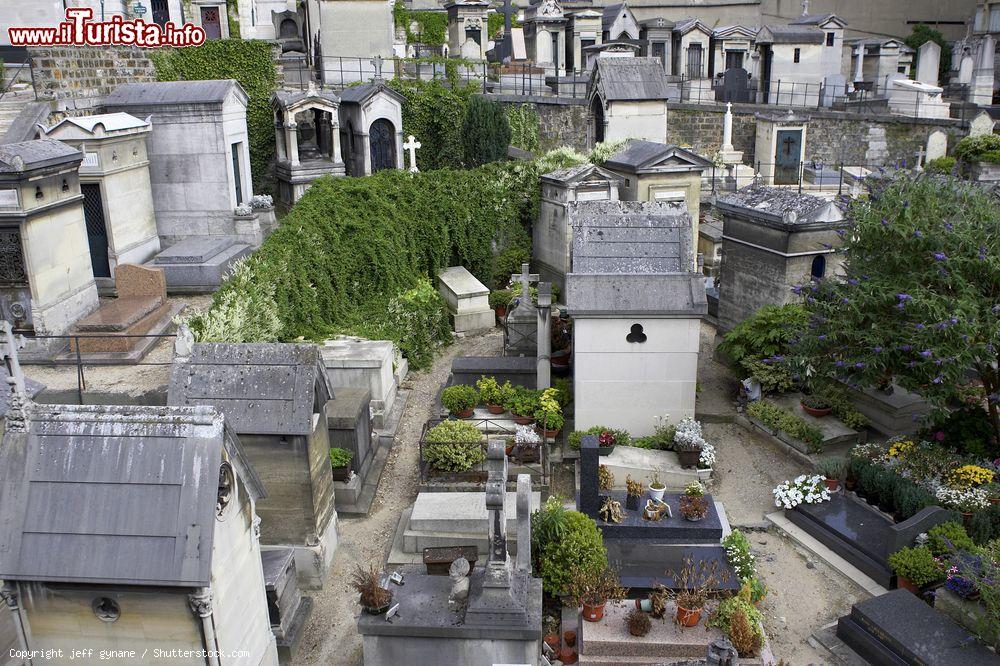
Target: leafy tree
x,y
924,33
920,298
486,132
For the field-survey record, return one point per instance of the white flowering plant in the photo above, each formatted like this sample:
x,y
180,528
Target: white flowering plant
x,y
688,437
261,201
804,489
244,209
707,457
526,435
966,500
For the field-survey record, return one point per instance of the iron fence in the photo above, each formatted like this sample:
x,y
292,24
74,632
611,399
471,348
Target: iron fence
x,y
18,72
524,458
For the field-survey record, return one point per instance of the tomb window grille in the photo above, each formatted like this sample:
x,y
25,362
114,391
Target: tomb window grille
x,y
38,193
796,55
818,267
227,491
12,258
830,36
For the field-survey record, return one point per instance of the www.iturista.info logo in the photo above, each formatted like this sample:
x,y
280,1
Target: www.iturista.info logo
x,y
79,30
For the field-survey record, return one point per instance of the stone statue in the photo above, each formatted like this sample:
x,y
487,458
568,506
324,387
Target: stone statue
x,y
184,342
459,574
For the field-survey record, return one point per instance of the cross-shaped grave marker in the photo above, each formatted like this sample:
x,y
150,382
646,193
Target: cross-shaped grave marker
x,y
525,277
411,145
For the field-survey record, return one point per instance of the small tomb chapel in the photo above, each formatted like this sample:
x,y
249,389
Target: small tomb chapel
x,y
274,396
627,99
130,528
636,303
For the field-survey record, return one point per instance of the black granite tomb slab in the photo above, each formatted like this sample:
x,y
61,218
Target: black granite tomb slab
x,y
646,565
518,370
666,530
898,628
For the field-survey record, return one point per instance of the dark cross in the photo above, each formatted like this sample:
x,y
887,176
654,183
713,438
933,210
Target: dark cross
x,y
788,143
508,11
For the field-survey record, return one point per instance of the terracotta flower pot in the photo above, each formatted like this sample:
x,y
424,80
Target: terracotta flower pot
x,y
501,311
465,413
593,612
342,473
688,617
689,458
569,638
818,413
568,655
560,358
509,449
523,420
833,485
552,641
496,409
905,583
547,434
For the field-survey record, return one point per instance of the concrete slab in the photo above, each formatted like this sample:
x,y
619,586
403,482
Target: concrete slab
x,y
461,512
640,464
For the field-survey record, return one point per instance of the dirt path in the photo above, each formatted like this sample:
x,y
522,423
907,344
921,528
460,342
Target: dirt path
x,y
331,636
803,595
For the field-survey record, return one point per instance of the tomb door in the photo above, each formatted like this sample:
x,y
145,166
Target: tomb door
x,y
15,293
237,172
734,59
211,23
787,154
383,145
694,61
97,231
161,12
597,111
660,53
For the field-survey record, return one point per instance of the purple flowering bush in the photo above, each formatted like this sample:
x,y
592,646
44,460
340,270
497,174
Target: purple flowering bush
x,y
920,298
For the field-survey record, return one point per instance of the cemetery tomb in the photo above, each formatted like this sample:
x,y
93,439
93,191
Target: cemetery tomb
x,y
780,147
307,131
822,174
274,396
545,36
860,533
287,609
199,265
636,303
899,628
375,365
140,309
371,127
467,28
628,99
348,418
917,100
522,318
468,300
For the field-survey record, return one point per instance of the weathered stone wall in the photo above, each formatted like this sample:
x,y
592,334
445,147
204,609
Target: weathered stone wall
x,y
561,122
77,78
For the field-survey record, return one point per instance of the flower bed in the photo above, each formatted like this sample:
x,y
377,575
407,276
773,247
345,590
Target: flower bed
x,y
789,428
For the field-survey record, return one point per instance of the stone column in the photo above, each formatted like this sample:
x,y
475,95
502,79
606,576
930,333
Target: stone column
x,y
727,128
544,367
292,142
338,155
982,79
524,522
281,147
859,66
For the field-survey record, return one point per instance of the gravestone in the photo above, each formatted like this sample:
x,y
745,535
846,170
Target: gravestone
x,y
287,609
468,300
965,69
735,85
199,264
899,628
982,124
522,320
928,61
937,145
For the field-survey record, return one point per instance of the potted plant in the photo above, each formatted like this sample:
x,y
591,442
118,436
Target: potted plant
x,y
816,404
915,567
460,400
453,447
605,478
340,461
491,393
692,584
633,491
688,442
549,416
551,638
831,469
693,505
656,487
606,441
375,598
500,300
527,443
523,404
638,623
594,587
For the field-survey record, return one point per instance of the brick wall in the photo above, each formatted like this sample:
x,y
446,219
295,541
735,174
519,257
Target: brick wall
x,y
561,122
77,78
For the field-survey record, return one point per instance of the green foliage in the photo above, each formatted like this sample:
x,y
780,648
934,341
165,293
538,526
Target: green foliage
x,y
485,132
732,606
919,298
916,564
434,112
945,165
738,553
523,401
985,148
765,334
844,409
772,377
507,263
773,416
622,438
563,540
233,18
354,254
454,446
523,121
564,392
492,392
249,62
891,492
605,150
831,468
924,33
459,398
549,414
947,538
432,27
501,298
495,23
340,457
968,430
560,158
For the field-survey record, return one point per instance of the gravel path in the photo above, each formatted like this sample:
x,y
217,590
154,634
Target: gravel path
x,y
331,636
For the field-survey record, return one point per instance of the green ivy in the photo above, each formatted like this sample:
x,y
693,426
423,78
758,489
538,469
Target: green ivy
x,y
485,132
494,22
524,122
354,254
432,26
434,112
249,62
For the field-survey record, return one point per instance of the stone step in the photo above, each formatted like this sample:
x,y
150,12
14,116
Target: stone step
x,y
640,464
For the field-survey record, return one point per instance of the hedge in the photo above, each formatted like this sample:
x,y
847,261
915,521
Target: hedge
x,y
248,61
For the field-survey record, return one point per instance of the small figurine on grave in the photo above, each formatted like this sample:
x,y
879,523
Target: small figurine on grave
x,y
459,574
611,511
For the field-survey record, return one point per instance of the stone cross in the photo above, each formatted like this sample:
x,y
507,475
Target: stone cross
x,y
377,64
920,159
497,564
508,11
859,53
727,129
805,7
411,145
525,278
543,369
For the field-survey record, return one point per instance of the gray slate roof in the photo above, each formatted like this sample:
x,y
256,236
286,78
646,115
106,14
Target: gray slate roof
x,y
686,25
111,495
639,154
288,98
581,172
166,93
17,157
791,34
630,78
262,388
359,94
632,257
816,19
781,206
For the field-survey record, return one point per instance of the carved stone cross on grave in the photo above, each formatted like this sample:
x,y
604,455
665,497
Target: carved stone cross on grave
x,y
508,11
497,566
920,159
411,145
525,278
377,64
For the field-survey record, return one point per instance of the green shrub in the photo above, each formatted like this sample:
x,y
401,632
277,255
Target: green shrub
x,y
622,437
524,401
916,564
773,377
523,121
492,392
773,416
984,148
434,112
454,446
506,263
568,540
485,132
248,61
968,430
500,298
459,398
564,392
948,537
734,605
738,553
340,457
766,333
944,165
